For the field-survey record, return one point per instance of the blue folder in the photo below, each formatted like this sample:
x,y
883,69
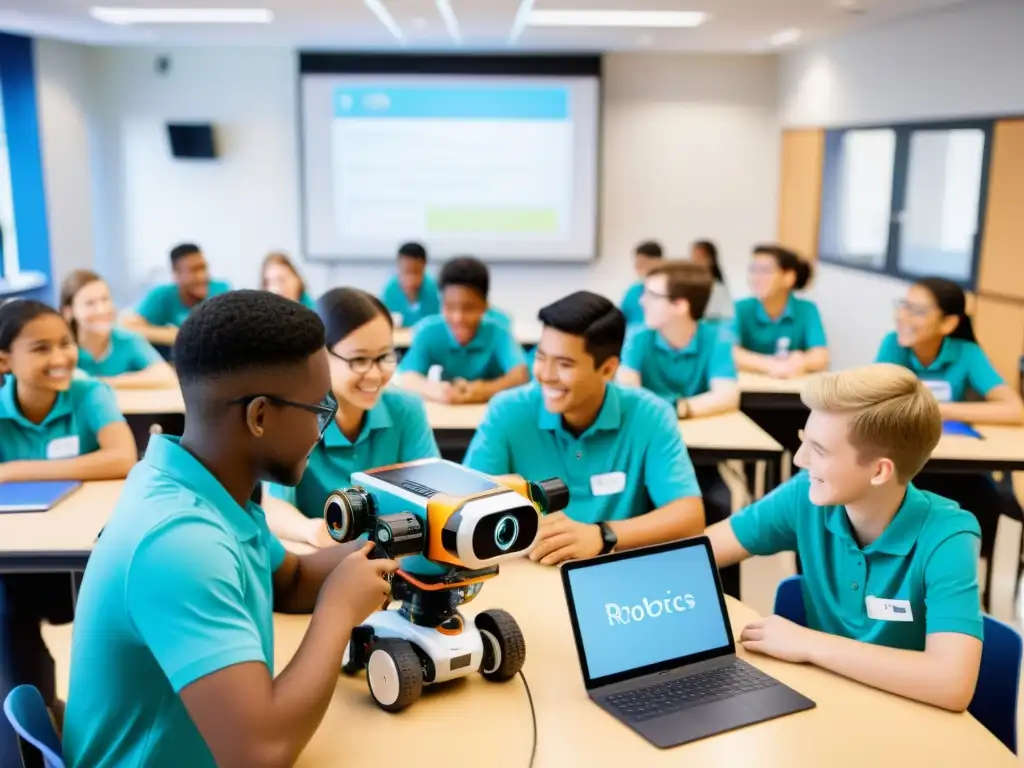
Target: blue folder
x,y
960,429
35,497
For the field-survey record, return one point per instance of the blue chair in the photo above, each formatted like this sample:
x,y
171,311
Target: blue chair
x,y
37,738
995,697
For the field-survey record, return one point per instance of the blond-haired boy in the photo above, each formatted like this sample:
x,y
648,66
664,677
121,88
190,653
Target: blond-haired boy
x,y
890,572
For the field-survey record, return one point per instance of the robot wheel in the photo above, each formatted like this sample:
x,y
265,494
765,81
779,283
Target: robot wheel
x,y
394,673
504,645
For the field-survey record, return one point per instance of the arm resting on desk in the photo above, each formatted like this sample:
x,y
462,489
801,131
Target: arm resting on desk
x,y
162,335
155,376
417,383
287,522
676,520
1001,406
723,397
753,362
483,390
116,455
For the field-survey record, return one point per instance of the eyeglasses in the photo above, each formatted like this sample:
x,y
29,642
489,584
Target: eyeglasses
x,y
762,269
325,411
656,294
386,362
914,310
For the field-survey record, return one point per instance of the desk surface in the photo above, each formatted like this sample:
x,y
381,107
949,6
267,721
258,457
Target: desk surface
x,y
1001,444
71,526
852,726
756,383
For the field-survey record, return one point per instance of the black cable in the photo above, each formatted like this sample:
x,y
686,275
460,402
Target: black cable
x,y
533,717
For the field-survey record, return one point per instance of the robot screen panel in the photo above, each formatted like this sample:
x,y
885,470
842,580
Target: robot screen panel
x,y
436,477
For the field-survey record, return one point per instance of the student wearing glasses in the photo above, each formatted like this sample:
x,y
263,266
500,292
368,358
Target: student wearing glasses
x,y
374,426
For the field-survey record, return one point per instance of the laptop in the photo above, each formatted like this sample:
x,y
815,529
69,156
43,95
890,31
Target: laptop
x,y
40,496
656,649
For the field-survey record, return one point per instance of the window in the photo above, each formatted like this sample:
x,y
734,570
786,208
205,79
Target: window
x,y
8,241
906,200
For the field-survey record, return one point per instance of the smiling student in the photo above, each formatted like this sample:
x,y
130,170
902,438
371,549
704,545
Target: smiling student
x,y
120,357
52,427
777,333
279,275
463,356
375,426
618,449
411,294
870,542
646,255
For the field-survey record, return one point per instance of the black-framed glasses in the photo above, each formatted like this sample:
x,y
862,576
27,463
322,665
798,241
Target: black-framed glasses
x,y
386,362
325,410
656,294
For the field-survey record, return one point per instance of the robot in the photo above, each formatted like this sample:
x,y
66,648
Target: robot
x,y
451,526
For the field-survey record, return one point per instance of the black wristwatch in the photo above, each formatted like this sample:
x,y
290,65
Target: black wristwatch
x,y
608,538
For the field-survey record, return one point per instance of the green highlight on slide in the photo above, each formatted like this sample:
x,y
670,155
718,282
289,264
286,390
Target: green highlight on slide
x,y
492,219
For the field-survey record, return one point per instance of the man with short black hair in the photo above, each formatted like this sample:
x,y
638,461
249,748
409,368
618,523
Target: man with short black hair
x,y
411,294
619,449
646,256
173,654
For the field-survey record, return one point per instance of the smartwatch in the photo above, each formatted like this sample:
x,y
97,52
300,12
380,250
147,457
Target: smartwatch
x,y
608,538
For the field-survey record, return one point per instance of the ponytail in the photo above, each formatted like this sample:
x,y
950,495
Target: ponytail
x,y
964,330
951,301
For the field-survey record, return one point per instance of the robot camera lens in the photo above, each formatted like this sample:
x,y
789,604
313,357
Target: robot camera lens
x,y
506,532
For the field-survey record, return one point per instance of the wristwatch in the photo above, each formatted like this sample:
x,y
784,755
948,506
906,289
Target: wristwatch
x,y
608,538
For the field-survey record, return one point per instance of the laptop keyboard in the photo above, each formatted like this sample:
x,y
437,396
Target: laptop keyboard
x,y
691,691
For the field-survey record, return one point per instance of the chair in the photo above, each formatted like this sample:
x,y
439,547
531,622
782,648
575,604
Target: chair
x,y
30,719
995,697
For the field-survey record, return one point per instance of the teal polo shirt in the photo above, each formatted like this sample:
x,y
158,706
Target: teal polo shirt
x,y
629,461
394,431
178,586
307,301
631,307
797,329
163,305
960,366
127,352
427,303
70,429
925,562
672,373
490,354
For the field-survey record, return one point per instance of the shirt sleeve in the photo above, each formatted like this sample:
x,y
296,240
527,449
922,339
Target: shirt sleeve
x,y
142,353
417,437
721,365
888,352
769,525
815,330
633,352
489,451
509,351
952,598
668,471
186,601
100,407
982,377
275,550
417,358
153,308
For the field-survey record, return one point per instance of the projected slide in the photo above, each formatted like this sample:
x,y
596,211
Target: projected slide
x,y
501,167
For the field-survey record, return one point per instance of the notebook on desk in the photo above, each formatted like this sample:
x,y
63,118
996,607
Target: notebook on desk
x,y
36,496
960,429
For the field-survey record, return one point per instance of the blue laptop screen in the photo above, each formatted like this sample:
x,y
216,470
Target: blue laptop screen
x,y
645,610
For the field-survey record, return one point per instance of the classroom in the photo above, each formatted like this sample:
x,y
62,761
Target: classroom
x,y
601,381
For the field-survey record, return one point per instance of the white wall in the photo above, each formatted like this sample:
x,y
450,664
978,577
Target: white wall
x,y
690,149
961,63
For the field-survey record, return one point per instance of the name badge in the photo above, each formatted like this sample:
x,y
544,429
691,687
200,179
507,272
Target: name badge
x,y
942,389
881,609
63,448
608,484
435,372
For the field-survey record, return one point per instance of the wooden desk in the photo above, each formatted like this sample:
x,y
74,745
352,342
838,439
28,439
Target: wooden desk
x,y
527,334
1001,450
472,722
763,393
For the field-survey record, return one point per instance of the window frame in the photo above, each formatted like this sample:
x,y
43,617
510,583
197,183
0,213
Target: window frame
x,y
830,202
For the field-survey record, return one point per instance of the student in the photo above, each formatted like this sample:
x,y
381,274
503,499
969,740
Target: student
x,y
374,427
120,357
52,427
871,545
172,660
280,275
646,256
162,311
618,449
720,306
462,356
777,333
411,294
682,359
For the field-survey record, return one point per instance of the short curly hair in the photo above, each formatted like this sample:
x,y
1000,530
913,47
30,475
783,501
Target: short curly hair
x,y
243,331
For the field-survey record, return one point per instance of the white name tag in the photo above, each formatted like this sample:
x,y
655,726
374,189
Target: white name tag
x,y
435,372
63,448
881,609
942,390
608,484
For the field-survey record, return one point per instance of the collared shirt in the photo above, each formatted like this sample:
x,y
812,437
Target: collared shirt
x,y
490,354
70,429
924,566
127,352
672,373
394,431
629,461
797,329
163,304
307,301
179,586
427,303
631,306
960,366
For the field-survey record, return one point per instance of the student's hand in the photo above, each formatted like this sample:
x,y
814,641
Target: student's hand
x,y
562,538
474,392
778,637
440,391
317,535
357,585
787,367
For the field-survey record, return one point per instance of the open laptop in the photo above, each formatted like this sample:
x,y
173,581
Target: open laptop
x,y
656,648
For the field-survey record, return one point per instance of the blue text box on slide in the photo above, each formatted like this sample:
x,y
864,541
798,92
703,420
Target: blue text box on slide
x,y
465,103
645,610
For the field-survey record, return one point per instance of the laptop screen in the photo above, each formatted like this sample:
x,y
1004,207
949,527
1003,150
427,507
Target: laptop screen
x,y
641,611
